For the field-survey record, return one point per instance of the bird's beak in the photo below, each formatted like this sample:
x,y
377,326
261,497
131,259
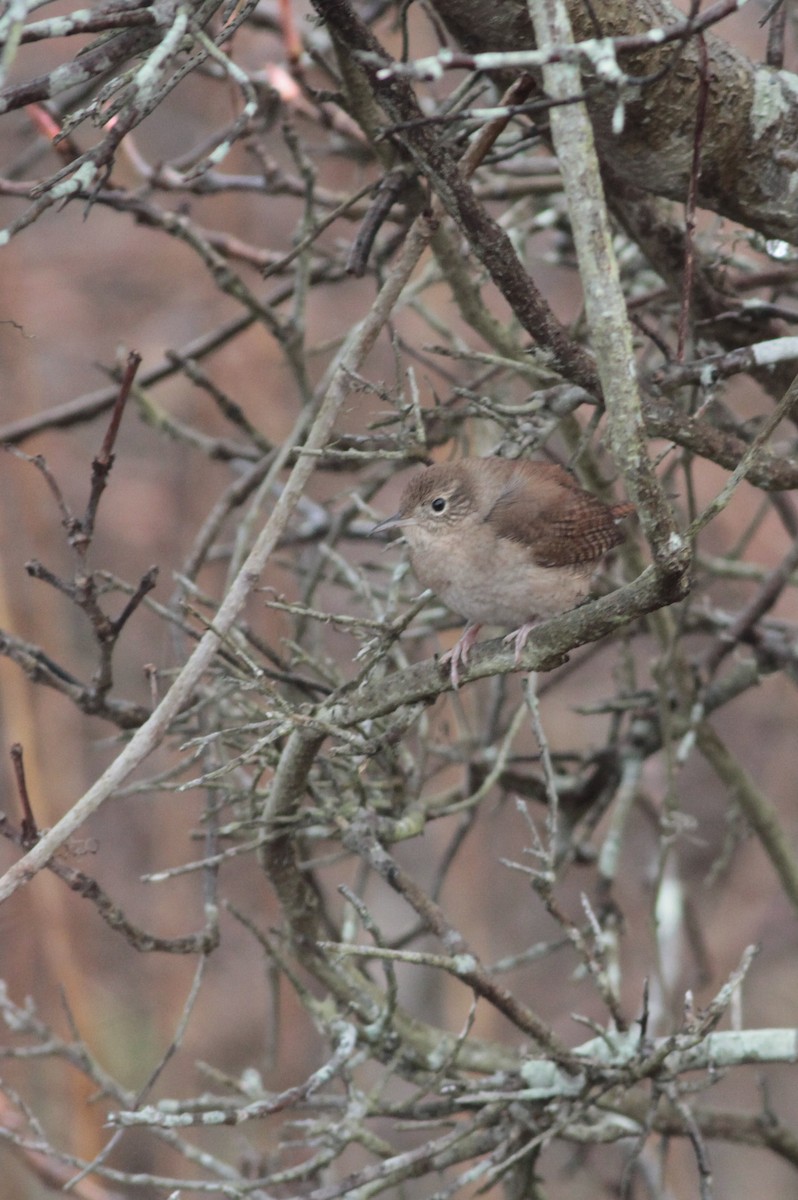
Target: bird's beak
x,y
394,522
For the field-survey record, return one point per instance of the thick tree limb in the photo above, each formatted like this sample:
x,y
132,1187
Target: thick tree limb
x,y
748,149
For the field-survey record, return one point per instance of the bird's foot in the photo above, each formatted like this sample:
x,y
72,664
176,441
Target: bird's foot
x,y
519,638
459,653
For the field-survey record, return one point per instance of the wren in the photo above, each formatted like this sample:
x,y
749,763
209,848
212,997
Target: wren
x,y
504,542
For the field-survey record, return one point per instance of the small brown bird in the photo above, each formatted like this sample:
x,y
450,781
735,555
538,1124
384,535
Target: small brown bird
x,y
504,542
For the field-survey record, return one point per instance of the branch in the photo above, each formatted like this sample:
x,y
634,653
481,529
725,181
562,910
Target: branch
x,y
748,149
604,300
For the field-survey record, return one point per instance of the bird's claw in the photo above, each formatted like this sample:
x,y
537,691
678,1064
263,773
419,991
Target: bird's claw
x,y
459,653
519,637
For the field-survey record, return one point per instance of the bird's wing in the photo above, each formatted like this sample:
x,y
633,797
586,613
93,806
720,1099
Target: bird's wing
x,y
555,519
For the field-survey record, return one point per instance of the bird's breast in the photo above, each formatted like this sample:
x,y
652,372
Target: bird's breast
x,y
492,581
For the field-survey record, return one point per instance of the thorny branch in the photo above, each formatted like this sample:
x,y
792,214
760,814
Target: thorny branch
x,y
377,260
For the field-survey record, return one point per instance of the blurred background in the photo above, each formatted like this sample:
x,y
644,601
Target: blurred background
x,y
86,284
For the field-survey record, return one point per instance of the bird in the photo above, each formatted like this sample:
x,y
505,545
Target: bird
x,y
504,542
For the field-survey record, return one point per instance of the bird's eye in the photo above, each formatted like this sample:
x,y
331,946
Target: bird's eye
x,y
438,504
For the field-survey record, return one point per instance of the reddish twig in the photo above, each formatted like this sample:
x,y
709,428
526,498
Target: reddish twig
x,y
291,39
29,832
101,466
146,584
